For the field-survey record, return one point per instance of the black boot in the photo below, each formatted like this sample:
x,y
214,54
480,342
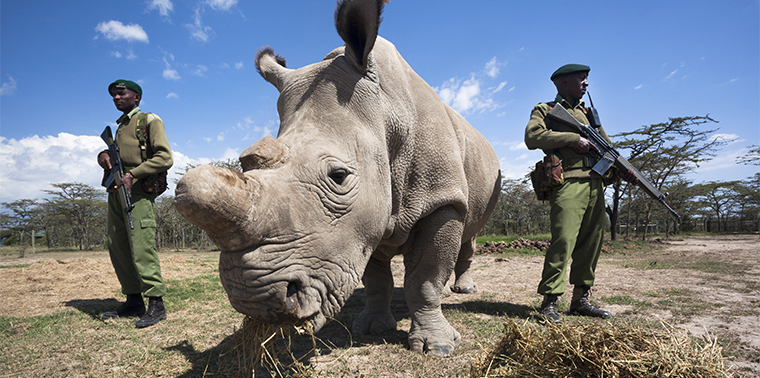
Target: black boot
x,y
156,313
580,304
549,309
134,306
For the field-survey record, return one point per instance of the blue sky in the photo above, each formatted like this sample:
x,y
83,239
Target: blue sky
x,y
490,59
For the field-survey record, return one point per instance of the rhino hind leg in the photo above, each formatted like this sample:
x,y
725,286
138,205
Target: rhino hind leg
x,y
428,265
464,284
376,317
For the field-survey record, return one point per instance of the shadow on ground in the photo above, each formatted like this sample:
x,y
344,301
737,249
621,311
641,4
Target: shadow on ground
x,y
293,352
93,307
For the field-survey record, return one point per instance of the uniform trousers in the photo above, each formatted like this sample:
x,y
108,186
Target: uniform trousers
x,y
133,251
577,224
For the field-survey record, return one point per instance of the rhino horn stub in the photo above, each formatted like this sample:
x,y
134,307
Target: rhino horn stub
x,y
222,203
271,67
358,22
267,152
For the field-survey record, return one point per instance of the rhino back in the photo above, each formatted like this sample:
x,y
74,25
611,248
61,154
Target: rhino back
x,y
437,157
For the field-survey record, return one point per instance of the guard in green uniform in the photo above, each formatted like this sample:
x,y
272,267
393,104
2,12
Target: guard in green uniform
x,y
577,206
145,154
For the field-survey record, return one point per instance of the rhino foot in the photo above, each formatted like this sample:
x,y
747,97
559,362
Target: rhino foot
x,y
465,289
373,323
465,285
437,341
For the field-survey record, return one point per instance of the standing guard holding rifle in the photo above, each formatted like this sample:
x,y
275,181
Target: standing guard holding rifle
x,y
575,191
135,165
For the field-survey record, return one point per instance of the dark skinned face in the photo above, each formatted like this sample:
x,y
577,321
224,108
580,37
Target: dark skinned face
x,y
572,87
125,99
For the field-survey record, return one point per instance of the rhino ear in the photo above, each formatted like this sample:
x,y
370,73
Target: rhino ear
x,y
357,22
271,67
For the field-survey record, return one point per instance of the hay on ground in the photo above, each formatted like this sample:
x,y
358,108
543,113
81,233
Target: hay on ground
x,y
599,349
262,349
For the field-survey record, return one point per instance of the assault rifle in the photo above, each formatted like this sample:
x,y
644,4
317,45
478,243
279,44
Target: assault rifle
x,y
604,152
114,176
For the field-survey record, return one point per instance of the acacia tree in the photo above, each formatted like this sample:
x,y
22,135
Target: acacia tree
x,y
83,207
663,152
721,198
518,211
21,219
752,157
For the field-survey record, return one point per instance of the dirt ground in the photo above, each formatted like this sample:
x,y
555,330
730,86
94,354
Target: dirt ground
x,y
715,280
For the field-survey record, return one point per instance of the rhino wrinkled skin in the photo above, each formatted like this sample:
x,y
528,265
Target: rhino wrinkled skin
x,y
368,163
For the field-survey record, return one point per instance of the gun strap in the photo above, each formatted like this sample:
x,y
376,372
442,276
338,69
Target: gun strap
x,y
143,135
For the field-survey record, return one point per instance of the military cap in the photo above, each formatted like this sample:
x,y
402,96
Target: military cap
x,y
568,69
125,84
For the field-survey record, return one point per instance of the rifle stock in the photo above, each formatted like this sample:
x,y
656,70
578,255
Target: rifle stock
x,y
115,174
607,154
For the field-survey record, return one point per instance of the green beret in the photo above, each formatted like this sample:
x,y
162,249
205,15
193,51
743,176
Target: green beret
x,y
568,69
126,84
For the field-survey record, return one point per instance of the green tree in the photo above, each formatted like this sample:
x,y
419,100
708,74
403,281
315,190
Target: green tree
x,y
22,220
518,211
663,153
752,157
84,208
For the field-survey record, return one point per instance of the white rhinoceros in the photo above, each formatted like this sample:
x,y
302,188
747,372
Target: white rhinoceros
x,y
368,163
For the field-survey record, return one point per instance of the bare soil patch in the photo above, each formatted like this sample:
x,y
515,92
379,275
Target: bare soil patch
x,y
706,285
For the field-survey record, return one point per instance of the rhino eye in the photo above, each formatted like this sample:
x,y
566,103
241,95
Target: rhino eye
x,y
338,175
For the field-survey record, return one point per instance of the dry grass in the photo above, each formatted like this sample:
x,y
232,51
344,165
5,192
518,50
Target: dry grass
x,y
260,349
600,349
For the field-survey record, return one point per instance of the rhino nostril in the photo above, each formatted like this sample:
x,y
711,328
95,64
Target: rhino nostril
x,y
292,289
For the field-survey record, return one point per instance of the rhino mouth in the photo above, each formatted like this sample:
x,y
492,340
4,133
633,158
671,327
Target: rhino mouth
x,y
286,293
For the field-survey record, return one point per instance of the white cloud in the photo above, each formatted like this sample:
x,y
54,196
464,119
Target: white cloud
x,y
221,4
200,70
164,7
9,87
116,54
198,30
171,74
730,138
638,86
239,65
518,146
467,95
492,68
172,95
114,30
31,164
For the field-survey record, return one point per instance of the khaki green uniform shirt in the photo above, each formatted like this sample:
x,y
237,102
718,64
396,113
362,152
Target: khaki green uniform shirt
x,y
160,154
561,140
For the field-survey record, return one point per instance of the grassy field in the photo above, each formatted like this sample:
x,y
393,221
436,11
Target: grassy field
x,y
205,337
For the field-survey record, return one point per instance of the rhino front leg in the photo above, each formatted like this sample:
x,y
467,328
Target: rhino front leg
x,y
428,267
464,283
376,317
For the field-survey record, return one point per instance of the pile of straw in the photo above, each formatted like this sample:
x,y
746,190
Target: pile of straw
x,y
265,350
599,349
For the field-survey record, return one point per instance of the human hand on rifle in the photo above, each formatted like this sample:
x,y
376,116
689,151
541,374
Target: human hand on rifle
x,y
126,181
584,146
629,176
104,160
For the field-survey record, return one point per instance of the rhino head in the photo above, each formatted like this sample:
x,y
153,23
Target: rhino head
x,y
298,225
